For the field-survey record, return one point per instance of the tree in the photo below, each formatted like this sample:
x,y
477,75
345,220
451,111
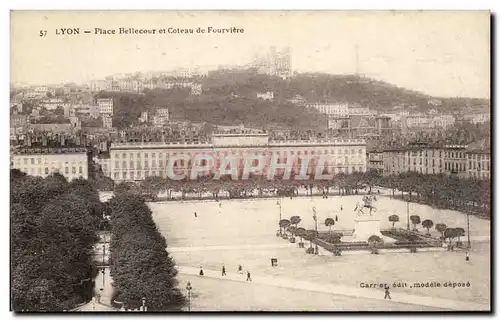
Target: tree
x,y
310,236
440,227
375,242
428,224
137,245
450,234
415,219
330,222
300,232
295,220
393,219
413,238
284,223
459,232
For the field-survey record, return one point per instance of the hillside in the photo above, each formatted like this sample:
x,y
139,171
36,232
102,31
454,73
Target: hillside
x,y
230,97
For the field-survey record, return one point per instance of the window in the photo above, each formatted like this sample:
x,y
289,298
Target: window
x,y
153,155
145,155
80,170
124,155
66,170
117,164
124,175
73,170
25,161
131,164
46,170
124,164
138,155
115,175
153,163
131,155
146,165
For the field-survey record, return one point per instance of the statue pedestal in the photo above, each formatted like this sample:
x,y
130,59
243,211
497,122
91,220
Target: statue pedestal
x,y
366,226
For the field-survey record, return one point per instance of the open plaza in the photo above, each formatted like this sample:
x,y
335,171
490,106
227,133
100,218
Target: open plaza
x,y
243,232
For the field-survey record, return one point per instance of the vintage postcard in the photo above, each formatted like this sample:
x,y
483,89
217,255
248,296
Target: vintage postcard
x,y
250,161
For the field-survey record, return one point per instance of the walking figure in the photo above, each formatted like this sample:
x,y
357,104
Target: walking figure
x,y
467,256
223,270
201,271
387,293
240,269
195,215
336,218
248,276
341,207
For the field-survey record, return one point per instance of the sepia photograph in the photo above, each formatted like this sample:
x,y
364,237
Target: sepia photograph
x,y
250,161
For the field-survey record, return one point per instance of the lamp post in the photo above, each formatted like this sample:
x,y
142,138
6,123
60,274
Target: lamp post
x,y
279,204
144,308
189,288
408,215
468,231
315,218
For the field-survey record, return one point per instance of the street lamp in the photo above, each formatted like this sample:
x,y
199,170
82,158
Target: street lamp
x,y
144,308
468,231
408,214
189,288
315,218
279,203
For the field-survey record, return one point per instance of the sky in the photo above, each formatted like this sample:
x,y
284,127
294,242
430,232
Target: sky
x,y
441,53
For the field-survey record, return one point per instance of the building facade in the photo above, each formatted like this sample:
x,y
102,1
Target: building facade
x,y
136,161
105,106
338,110
426,159
478,164
375,161
72,163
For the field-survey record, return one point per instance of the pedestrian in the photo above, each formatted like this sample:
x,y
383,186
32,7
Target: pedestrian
x,y
248,276
467,256
195,215
223,270
240,269
387,293
341,207
336,218
201,271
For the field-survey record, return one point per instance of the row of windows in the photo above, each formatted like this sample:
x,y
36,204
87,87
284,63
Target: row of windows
x,y
457,167
477,165
461,155
38,161
480,157
46,170
138,164
319,152
142,174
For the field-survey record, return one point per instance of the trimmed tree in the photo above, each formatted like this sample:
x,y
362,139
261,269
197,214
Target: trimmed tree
x,y
428,224
441,227
415,219
375,242
330,222
393,219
